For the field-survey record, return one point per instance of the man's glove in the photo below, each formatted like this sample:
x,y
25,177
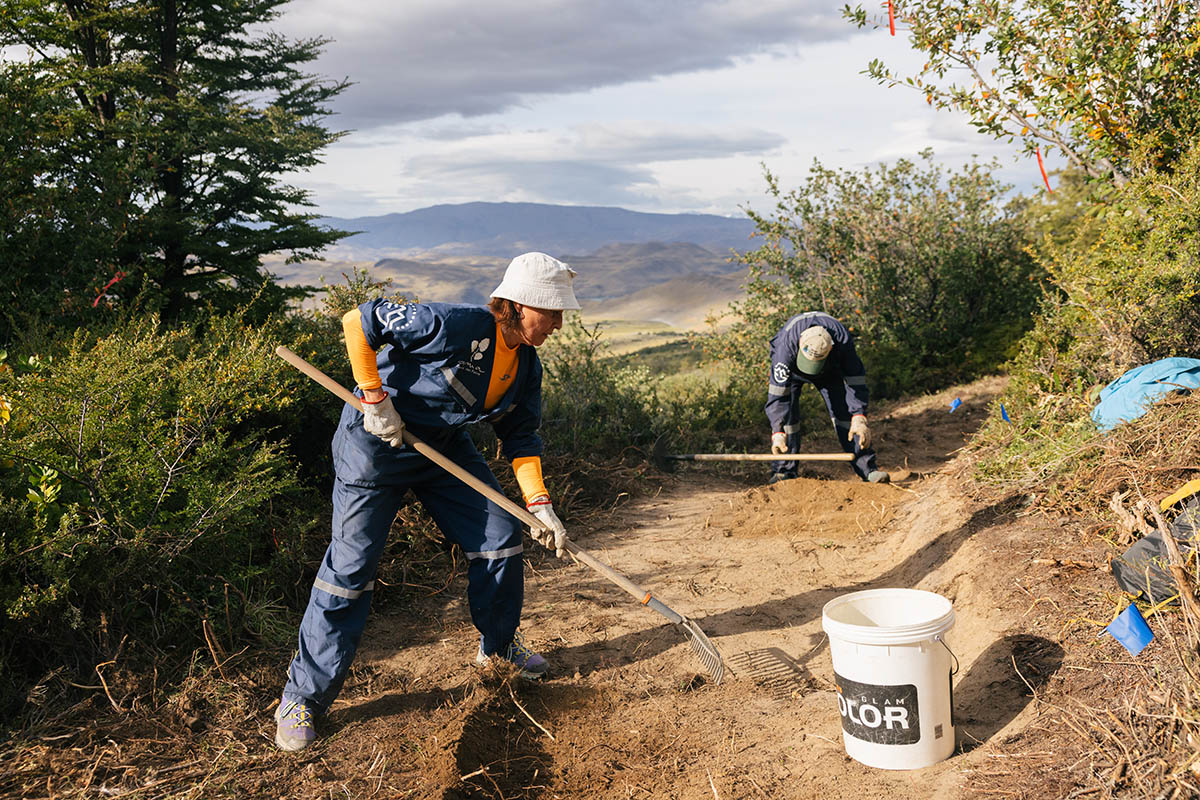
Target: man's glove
x,y
778,442
554,538
381,419
858,427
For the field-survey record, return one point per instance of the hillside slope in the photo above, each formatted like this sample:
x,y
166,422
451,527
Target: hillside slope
x,y
678,283
683,303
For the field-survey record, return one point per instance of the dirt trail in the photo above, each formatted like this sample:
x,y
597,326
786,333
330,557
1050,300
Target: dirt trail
x,y
629,709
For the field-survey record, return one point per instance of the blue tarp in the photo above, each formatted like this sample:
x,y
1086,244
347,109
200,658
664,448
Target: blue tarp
x,y
1131,395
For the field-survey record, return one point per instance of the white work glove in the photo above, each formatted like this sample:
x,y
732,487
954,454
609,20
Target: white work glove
x,y
381,419
778,442
554,538
858,427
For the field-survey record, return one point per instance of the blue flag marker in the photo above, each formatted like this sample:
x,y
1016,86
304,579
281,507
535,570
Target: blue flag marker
x,y
955,403
1004,414
1131,630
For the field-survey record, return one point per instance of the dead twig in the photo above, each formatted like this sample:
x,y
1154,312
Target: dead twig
x,y
521,708
1066,562
1133,526
116,706
1178,567
214,647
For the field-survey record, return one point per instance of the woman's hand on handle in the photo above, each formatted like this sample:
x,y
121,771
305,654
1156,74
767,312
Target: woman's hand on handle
x,y
554,535
380,417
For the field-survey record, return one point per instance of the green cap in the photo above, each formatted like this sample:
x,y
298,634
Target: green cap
x,y
815,346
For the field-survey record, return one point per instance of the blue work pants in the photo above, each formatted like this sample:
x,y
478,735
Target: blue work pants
x,y
839,415
371,478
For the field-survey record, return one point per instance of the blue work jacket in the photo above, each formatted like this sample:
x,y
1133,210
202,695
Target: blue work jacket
x,y
844,371
435,359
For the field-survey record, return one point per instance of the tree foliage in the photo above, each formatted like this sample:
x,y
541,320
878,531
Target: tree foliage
x,y
147,142
925,266
1128,293
1129,287
1112,85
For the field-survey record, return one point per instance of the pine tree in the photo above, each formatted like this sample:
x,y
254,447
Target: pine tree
x,y
146,143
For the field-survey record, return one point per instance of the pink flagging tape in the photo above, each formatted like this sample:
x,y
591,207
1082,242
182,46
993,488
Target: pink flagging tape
x,y
107,286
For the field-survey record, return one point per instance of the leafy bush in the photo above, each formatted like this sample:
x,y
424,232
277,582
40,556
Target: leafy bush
x,y
145,488
591,404
925,267
1128,293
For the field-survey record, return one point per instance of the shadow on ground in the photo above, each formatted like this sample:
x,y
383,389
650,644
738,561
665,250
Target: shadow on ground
x,y
999,685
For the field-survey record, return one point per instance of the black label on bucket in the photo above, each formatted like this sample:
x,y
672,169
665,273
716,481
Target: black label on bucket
x,y
879,714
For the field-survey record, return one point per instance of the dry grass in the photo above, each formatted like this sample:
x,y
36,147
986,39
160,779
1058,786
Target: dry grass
x,y
1070,469
1137,733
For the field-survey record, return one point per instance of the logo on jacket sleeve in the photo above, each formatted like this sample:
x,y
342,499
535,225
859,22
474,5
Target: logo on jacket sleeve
x,y
392,316
478,348
780,372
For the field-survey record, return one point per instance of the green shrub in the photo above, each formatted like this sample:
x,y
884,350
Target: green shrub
x,y
145,486
1127,292
592,404
925,267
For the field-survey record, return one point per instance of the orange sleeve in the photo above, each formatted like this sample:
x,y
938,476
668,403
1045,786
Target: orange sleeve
x,y
362,357
529,475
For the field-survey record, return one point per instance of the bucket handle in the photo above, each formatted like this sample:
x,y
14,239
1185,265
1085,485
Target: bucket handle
x,y
938,638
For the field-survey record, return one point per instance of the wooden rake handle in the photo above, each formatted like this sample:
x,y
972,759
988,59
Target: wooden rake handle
x,y
644,597
762,457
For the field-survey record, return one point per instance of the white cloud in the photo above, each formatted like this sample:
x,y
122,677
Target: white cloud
x,y
416,60
663,106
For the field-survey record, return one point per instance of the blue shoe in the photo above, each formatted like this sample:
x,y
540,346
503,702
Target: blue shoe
x,y
532,665
294,725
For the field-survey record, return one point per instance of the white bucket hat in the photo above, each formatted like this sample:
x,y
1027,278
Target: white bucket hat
x,y
536,279
815,345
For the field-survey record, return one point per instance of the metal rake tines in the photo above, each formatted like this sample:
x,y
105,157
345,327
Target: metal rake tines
x,y
704,650
775,671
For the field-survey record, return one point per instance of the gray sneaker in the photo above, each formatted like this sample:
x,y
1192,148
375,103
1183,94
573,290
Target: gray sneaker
x,y
294,725
879,476
776,477
532,665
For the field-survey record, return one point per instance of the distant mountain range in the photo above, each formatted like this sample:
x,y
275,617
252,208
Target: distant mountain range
x,y
613,271
672,268
508,229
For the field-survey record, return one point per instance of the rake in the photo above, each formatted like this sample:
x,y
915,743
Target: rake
x,y
700,644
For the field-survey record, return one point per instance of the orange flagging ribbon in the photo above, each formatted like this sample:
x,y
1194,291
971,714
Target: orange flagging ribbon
x,y
1042,167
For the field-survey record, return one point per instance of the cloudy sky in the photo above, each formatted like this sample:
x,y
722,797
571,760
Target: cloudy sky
x,y
652,105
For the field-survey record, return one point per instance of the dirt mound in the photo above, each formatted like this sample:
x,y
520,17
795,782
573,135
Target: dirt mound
x,y
811,508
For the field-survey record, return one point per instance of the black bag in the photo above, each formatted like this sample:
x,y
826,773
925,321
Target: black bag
x,y
1142,569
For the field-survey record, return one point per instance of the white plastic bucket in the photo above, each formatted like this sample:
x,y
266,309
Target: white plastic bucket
x,y
893,675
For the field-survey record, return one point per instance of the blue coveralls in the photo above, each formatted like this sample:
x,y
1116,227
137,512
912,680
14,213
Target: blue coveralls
x,y
435,360
842,384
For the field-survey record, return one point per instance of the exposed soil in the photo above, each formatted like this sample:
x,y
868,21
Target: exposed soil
x,y
628,710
